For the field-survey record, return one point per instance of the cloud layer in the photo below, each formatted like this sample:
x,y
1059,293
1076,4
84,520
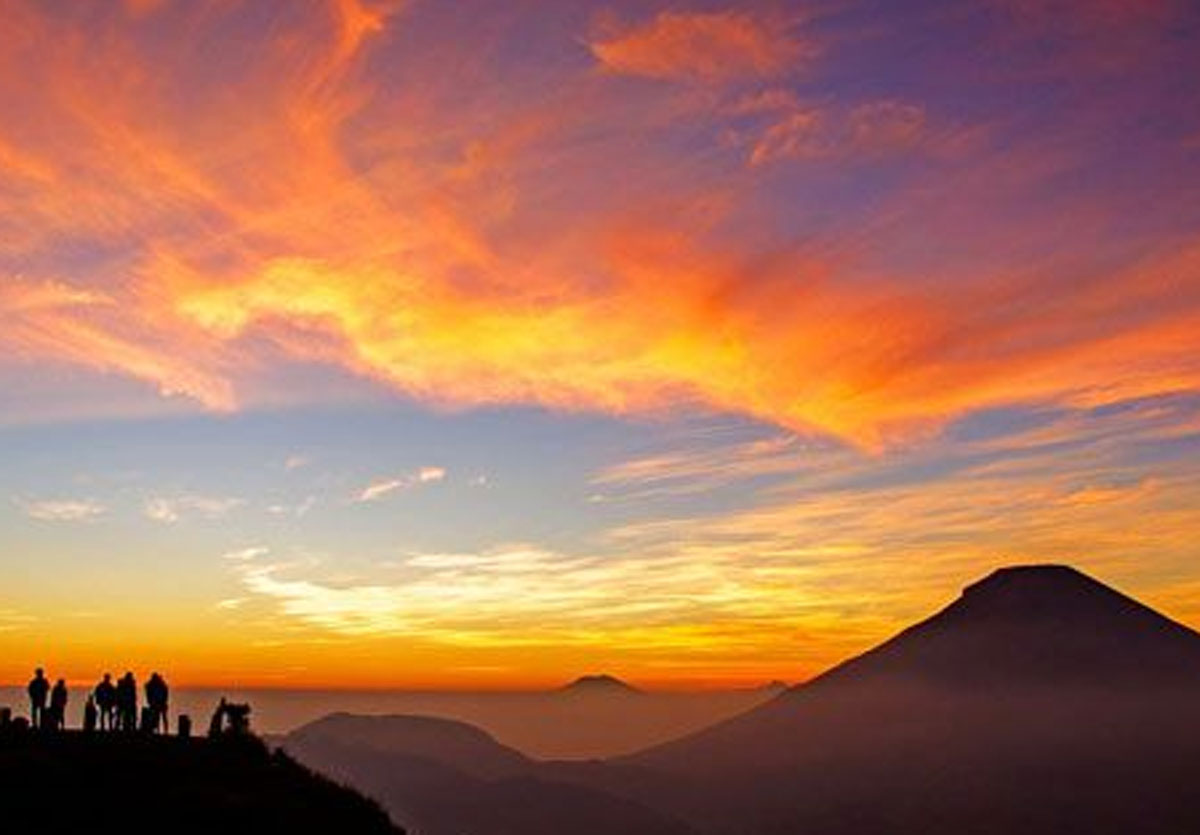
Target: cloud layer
x,y
322,217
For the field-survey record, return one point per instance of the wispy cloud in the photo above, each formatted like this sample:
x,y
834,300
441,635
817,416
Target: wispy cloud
x,y
62,510
492,597
297,510
700,46
382,487
798,131
709,461
296,462
14,620
172,509
245,554
50,321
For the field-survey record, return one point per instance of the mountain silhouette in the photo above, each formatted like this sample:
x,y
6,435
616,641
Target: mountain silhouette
x,y
1045,625
452,744
441,777
1041,701
600,685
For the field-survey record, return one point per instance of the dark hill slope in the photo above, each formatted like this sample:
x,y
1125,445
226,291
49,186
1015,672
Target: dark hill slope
x,y
1041,701
444,741
70,782
441,777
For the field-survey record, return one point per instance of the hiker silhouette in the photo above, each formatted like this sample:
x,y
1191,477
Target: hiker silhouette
x,y
90,714
217,725
39,689
230,719
58,706
127,714
157,694
106,702
239,719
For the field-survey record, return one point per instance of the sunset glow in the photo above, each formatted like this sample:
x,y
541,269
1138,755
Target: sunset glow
x,y
476,344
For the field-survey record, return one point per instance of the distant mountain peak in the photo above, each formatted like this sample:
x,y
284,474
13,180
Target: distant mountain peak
x,y
773,686
601,683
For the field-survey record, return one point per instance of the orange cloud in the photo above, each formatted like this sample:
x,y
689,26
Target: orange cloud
x,y
674,325
48,321
714,46
306,218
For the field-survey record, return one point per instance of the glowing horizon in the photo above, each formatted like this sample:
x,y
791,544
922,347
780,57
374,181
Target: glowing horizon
x,y
409,343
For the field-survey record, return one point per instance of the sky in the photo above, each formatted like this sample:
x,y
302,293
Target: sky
x,y
482,345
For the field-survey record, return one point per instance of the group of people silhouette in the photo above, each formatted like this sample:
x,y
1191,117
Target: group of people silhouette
x,y
113,706
109,707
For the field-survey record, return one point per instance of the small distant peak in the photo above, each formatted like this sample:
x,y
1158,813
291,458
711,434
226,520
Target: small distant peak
x,y
599,684
773,686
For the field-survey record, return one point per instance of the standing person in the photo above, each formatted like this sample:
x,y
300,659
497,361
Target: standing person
x,y
157,694
39,689
106,702
90,715
127,703
217,726
58,706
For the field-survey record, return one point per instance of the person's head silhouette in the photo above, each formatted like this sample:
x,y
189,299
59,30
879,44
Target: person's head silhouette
x,y
39,673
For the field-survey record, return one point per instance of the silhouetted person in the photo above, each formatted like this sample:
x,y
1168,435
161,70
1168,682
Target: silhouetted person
x,y
157,694
216,725
230,719
39,689
185,726
58,705
239,719
127,703
106,702
90,715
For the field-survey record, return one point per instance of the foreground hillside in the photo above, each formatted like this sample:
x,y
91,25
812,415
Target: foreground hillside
x,y
71,782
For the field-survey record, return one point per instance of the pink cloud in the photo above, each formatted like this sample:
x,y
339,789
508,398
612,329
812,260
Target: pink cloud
x,y
709,47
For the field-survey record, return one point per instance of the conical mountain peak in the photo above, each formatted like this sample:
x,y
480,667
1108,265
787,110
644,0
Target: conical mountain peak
x,y
1047,583
1036,625
1027,652
1037,575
